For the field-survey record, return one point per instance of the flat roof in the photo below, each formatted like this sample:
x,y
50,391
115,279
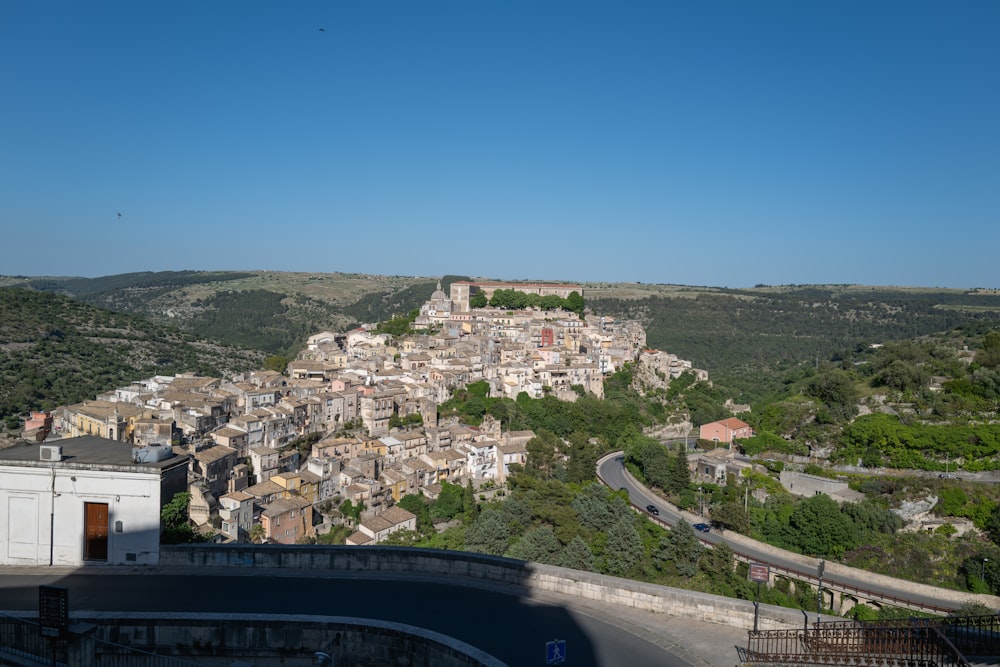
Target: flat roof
x,y
85,451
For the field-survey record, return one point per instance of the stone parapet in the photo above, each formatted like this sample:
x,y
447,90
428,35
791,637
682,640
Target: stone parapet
x,y
477,570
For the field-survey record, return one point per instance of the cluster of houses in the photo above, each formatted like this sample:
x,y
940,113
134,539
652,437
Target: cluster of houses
x,y
354,417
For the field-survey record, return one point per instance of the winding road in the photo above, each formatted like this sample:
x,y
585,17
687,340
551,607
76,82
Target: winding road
x,y
611,470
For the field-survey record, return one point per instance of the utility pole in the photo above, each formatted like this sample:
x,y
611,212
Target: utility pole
x,y
819,591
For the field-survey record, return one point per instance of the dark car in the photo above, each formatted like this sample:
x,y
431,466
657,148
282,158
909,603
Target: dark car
x,y
652,509
703,527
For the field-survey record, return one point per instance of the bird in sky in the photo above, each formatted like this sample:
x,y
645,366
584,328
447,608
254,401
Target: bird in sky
x,y
119,215
322,29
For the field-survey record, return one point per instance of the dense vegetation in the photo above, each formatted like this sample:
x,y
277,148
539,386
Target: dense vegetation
x,y
56,351
126,291
272,318
747,339
927,404
516,300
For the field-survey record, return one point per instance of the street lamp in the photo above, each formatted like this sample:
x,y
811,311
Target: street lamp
x,y
982,570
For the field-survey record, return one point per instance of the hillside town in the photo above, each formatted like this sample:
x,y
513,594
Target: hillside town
x,y
366,405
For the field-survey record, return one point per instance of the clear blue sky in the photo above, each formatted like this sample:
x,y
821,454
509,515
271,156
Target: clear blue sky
x,y
694,142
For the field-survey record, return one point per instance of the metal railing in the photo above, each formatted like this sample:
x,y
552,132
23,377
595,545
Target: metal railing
x,y
22,638
944,642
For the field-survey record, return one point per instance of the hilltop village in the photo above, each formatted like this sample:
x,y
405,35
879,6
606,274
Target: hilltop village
x,y
370,403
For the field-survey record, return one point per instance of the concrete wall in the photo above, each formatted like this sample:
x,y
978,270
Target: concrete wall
x,y
801,484
223,640
477,570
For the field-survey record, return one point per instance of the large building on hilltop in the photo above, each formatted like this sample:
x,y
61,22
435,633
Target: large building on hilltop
x,y
463,290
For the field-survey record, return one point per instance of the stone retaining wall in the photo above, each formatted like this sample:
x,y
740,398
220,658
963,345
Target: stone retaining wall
x,y
477,570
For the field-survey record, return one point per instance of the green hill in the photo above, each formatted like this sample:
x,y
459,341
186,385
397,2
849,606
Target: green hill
x,y
55,350
747,339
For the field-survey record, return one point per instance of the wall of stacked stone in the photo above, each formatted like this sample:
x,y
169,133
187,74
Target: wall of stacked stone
x,y
477,570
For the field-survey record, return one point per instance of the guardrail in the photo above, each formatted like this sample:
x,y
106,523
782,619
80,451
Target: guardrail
x,y
946,642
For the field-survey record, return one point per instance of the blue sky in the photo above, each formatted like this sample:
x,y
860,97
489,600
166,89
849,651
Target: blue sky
x,y
701,143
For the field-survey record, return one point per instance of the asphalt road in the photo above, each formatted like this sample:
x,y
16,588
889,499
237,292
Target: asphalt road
x,y
612,471
512,629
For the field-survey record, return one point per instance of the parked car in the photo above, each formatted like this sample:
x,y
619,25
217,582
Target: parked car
x,y
703,527
652,509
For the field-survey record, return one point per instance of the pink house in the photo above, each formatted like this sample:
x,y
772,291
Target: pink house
x,y
725,430
41,420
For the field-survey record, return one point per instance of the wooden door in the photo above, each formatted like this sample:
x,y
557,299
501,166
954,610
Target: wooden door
x,y
96,521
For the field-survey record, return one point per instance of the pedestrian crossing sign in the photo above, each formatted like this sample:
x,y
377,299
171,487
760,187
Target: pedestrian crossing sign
x,y
555,652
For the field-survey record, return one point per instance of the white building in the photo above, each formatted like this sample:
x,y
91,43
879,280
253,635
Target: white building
x,y
236,511
86,500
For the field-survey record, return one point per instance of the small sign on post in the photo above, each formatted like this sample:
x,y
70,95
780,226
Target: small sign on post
x,y
53,610
760,574
555,652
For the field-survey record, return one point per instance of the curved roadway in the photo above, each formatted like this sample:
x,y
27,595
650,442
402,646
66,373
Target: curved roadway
x,y
512,629
611,469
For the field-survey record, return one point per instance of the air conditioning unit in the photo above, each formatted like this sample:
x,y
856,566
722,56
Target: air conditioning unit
x,y
50,452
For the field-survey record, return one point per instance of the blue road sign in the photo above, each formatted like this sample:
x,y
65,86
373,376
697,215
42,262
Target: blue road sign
x,y
555,652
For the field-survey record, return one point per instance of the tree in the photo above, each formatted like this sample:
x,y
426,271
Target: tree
x,y
276,363
449,503
257,533
469,505
176,521
654,460
992,525
577,555
989,356
542,451
418,505
478,300
869,516
516,514
575,303
598,509
679,476
539,545
818,527
347,508
682,548
623,548
488,534
732,516
902,377
837,391
582,458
